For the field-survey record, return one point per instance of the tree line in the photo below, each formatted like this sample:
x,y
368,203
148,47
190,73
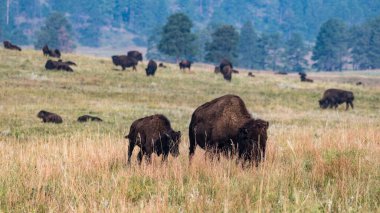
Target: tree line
x,y
337,46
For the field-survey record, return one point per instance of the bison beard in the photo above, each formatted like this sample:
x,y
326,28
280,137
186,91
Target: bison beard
x,y
49,117
334,97
153,134
224,125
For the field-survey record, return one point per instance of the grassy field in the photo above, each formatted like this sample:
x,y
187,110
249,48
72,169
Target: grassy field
x,y
317,160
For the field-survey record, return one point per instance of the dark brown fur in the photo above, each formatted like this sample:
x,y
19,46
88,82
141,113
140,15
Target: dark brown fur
x,y
58,65
184,64
52,53
85,118
334,97
227,73
151,69
49,117
303,77
124,61
135,54
153,134
162,65
250,74
10,46
224,125
224,63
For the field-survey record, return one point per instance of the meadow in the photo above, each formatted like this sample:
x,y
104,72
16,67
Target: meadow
x,y
316,161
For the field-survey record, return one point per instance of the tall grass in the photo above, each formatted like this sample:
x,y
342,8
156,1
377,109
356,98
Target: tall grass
x,y
317,160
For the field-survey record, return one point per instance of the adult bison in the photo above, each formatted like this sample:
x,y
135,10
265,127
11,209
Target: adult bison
x,y
10,46
303,77
334,97
135,54
184,64
224,125
58,65
227,72
151,69
153,134
124,61
85,118
49,117
52,53
224,63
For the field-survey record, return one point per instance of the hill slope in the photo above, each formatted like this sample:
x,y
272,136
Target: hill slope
x,y
317,159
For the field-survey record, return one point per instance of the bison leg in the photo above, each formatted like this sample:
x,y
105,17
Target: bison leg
x,y
134,68
130,150
193,144
347,105
352,105
123,67
139,157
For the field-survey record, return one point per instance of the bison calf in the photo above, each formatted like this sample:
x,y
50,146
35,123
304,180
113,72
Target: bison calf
x,y
85,118
151,69
153,134
334,97
49,117
224,125
10,46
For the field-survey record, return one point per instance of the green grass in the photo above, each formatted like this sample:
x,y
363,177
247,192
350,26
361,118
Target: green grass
x,y
317,160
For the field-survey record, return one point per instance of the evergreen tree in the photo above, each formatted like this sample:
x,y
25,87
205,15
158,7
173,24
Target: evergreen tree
x,y
359,45
273,51
248,47
176,37
294,54
56,33
331,49
374,44
223,45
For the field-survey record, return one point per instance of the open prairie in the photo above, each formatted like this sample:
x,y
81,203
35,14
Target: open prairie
x,y
316,161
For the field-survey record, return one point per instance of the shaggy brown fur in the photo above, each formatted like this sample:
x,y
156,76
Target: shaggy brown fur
x,y
334,97
49,117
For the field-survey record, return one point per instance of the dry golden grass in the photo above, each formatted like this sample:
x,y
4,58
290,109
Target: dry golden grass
x,y
317,160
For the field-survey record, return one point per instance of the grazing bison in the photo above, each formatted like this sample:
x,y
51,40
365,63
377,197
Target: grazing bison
x,y
9,45
49,117
135,54
224,125
227,73
303,77
281,73
334,97
184,64
85,118
124,61
224,63
58,65
250,74
162,65
151,69
153,134
48,52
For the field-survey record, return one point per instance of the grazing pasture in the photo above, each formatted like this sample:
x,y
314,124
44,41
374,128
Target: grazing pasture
x,y
316,160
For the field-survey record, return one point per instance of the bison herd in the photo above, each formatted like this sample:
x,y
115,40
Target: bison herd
x,y
222,126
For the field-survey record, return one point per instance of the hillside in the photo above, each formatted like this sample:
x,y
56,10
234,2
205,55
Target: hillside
x,y
317,160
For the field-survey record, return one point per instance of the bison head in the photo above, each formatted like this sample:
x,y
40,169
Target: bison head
x,y
252,140
42,114
324,103
115,60
174,139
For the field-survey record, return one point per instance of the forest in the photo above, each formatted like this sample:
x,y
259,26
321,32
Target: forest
x,y
98,23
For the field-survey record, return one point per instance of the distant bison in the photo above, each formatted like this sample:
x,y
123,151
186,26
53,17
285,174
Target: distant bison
x,y
334,97
151,69
235,71
135,54
359,83
303,77
281,73
58,65
9,45
224,125
124,61
68,62
250,74
227,72
52,53
49,117
162,65
85,118
153,134
224,63
184,64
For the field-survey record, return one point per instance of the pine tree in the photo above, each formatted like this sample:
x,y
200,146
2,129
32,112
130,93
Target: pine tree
x,y
359,45
294,54
248,47
223,45
56,33
176,37
273,51
331,49
374,44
